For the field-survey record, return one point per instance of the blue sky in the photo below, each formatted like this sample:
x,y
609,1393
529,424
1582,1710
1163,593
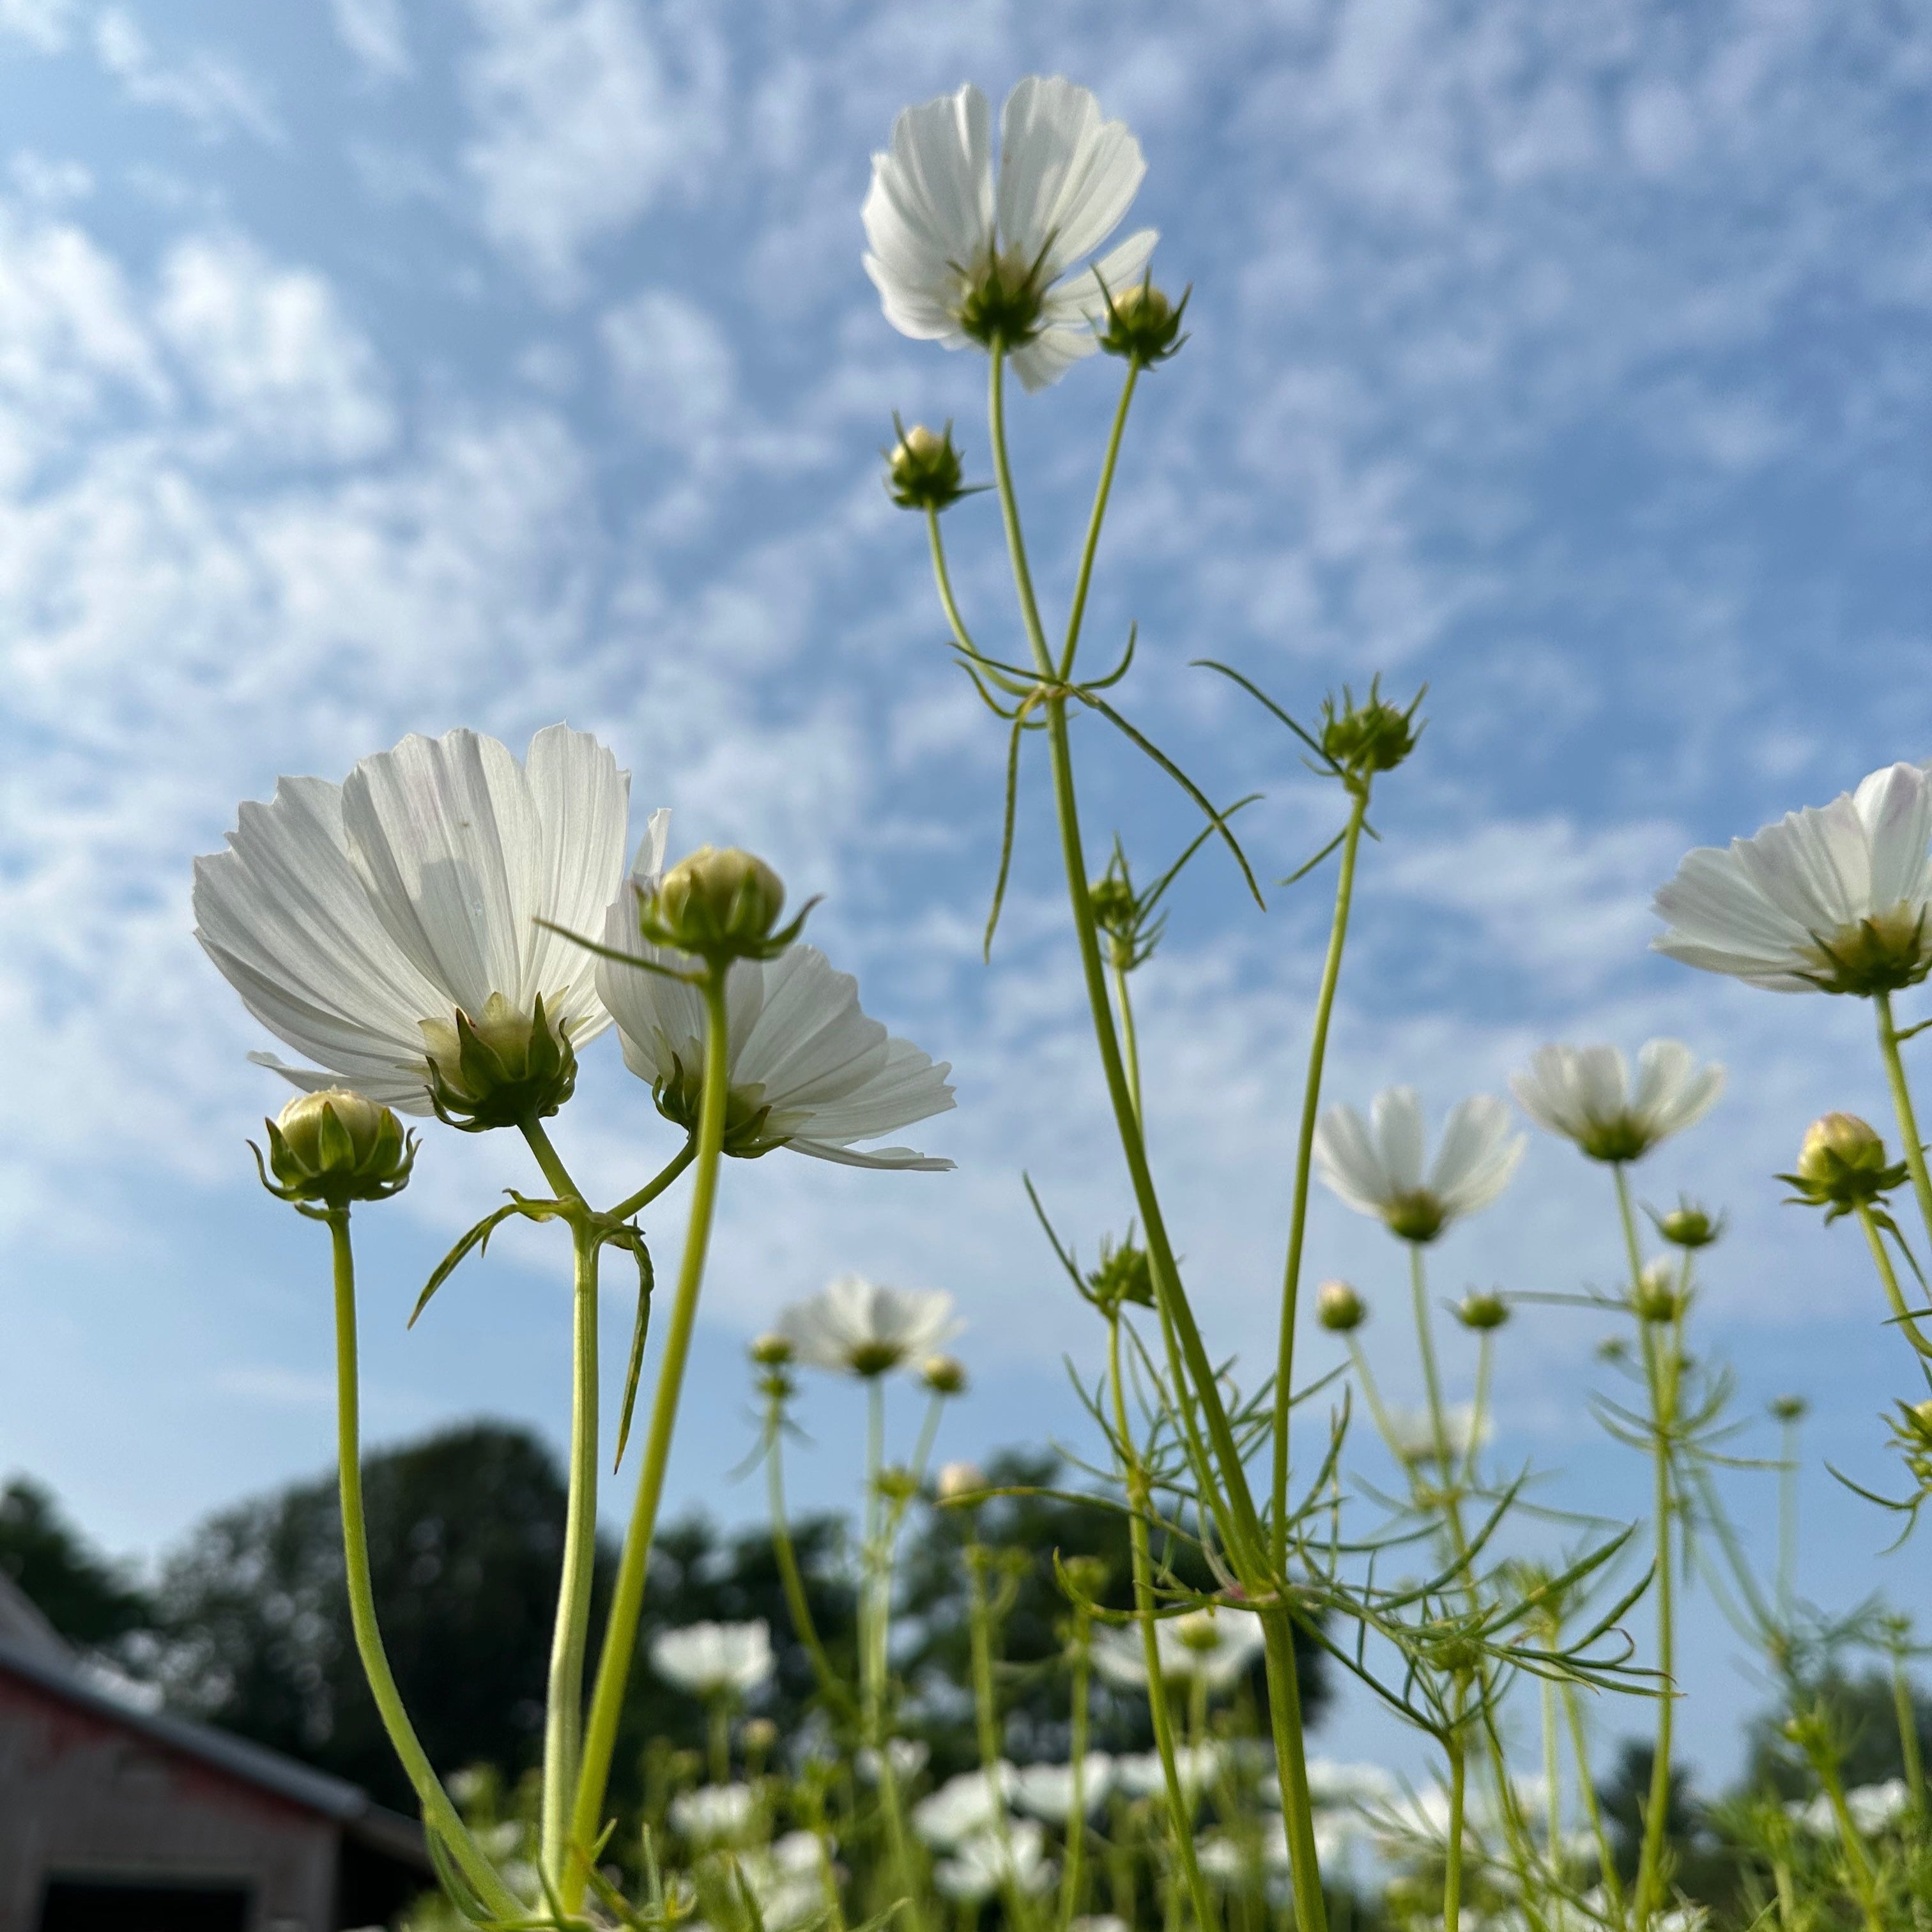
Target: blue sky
x,y
366,370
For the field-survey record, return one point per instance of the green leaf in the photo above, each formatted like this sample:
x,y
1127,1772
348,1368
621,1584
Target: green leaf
x,y
478,1238
646,1281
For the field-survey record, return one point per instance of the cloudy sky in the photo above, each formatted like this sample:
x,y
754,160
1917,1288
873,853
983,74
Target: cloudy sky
x,y
366,370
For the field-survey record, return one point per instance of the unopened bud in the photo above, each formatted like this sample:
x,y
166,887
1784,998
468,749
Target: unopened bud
x,y
1842,1165
1339,1307
1086,1576
759,1737
1365,739
718,905
771,1351
1482,1309
336,1147
1656,1296
1789,1408
943,1375
1124,1275
1142,324
959,1479
1688,1226
923,470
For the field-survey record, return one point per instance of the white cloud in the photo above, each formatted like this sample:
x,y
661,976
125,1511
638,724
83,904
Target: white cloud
x,y
587,113
672,364
43,24
372,30
270,350
211,91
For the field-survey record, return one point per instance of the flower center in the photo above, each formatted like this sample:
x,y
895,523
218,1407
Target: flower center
x,y
1619,1137
1879,955
751,1127
499,1067
874,1358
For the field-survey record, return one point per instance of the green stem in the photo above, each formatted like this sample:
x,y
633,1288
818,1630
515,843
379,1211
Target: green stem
x,y
831,1685
1552,1778
1160,1713
1908,1733
656,1185
1586,1789
1787,1525
1452,1873
1889,1276
627,1603
718,1726
440,1814
1304,1154
551,1161
1129,1041
1901,1102
1076,1815
1102,490
1432,1379
961,635
1246,1547
563,1711
1856,1859
989,1726
1660,1373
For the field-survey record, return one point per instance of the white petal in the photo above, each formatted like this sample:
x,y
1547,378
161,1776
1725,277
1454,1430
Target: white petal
x,y
1066,176
929,214
583,804
1346,1160
403,1091
1896,807
1478,1156
1397,1114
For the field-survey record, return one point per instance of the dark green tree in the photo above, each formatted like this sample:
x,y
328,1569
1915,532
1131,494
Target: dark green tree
x,y
1865,1716
95,1604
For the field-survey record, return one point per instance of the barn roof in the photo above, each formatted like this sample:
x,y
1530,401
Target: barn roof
x,y
31,1651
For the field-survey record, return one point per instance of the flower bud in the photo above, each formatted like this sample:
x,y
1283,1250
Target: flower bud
x,y
759,1737
1656,1296
498,1068
943,1375
771,1351
1142,324
922,468
335,1147
1124,1275
1086,1576
897,1484
1482,1310
959,1479
1373,736
1688,1226
1842,1165
1789,1408
1916,1422
718,905
1337,1307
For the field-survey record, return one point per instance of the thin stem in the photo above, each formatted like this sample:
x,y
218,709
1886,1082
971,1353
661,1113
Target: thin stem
x,y
440,1814
1662,1380
1304,1153
627,1603
1431,1380
551,1161
1889,1276
1907,1716
1901,1102
942,578
989,1725
1856,1859
1160,1713
1787,1522
1586,1789
1076,1816
717,1727
1010,515
652,1188
1452,1873
1552,1781
1102,490
804,1627
1129,1041
563,1710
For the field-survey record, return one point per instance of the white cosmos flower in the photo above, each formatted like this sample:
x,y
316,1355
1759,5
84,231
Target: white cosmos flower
x,y
957,259
1832,898
1141,1775
708,1659
1212,1645
357,920
854,1327
1413,1431
982,1865
809,1070
1584,1094
963,1806
1378,1169
714,1813
1046,1790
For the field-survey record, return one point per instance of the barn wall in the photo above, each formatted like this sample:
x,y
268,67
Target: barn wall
x,y
81,1797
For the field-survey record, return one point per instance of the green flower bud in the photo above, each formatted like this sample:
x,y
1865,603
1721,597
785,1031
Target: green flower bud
x,y
1338,1307
897,1484
499,1069
759,1737
1842,1165
1086,1576
1482,1310
943,1375
1116,912
1124,1275
335,1147
1789,1408
1657,1298
772,1352
1915,1423
1688,1226
720,905
1142,324
1002,304
1373,736
922,468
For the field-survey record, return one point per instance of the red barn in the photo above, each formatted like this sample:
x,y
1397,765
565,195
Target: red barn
x,y
116,1819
